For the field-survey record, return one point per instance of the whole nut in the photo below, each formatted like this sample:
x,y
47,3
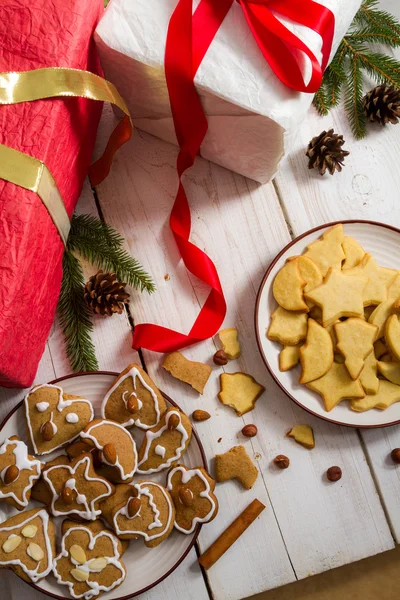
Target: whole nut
x,y
334,473
186,496
200,415
98,564
80,575
132,405
133,507
29,531
47,431
282,461
395,454
110,454
11,474
78,553
67,495
249,430
220,358
35,552
11,543
173,421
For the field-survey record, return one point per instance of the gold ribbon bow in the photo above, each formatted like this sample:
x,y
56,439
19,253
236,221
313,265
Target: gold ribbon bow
x,y
31,173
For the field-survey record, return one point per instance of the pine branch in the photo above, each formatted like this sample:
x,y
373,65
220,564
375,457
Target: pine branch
x,y
320,101
353,100
75,318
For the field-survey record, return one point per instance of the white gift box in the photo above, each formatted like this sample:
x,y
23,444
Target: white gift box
x,y
252,116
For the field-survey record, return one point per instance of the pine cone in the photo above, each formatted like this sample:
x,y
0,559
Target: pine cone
x,y
382,104
325,152
105,294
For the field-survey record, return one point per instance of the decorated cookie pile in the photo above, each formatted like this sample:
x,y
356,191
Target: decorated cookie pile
x,y
338,315
101,486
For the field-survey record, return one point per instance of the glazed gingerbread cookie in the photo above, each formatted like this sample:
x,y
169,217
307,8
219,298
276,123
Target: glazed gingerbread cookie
x,y
90,560
28,544
54,418
192,492
18,472
116,449
164,444
76,489
144,509
134,399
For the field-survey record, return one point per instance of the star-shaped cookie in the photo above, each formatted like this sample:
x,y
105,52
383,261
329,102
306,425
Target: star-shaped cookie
x,y
327,252
336,385
380,278
341,295
387,394
76,488
18,472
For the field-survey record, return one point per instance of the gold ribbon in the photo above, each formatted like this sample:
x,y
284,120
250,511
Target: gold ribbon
x,y
31,173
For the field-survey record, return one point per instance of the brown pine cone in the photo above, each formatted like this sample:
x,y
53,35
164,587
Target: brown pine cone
x,y
105,294
382,104
325,152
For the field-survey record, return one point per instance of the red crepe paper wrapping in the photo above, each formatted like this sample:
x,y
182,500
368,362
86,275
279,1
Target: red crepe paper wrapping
x,y
61,133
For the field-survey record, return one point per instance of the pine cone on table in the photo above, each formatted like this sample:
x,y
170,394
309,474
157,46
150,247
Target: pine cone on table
x,y
382,104
325,152
105,294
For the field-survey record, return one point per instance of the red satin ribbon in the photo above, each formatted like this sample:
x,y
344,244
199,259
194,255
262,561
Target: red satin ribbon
x,y
188,39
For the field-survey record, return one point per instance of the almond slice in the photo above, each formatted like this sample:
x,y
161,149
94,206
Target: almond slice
x,y
29,531
79,575
35,551
11,543
78,553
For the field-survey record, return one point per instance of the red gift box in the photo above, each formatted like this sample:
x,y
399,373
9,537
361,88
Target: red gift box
x,y
59,132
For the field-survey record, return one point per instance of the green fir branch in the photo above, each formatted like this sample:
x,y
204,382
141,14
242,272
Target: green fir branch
x,y
75,317
102,246
344,76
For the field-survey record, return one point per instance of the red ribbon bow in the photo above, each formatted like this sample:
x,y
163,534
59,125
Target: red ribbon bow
x,y
188,39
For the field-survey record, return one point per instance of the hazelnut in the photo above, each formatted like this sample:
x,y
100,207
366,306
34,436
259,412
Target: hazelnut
x,y
200,415
220,358
282,461
249,430
334,473
395,454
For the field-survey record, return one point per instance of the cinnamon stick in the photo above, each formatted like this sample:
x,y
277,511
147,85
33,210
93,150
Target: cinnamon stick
x,y
231,534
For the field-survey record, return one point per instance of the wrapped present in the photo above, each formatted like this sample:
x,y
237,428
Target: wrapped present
x,y
59,133
252,115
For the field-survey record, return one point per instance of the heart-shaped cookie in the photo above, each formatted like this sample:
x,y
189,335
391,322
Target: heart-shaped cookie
x,y
117,449
147,511
90,560
54,418
28,544
134,399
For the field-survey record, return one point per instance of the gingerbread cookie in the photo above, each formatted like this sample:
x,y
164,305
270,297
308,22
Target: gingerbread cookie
x,y
166,443
90,560
146,511
196,374
236,464
76,489
54,418
117,449
192,492
18,472
41,491
28,544
134,399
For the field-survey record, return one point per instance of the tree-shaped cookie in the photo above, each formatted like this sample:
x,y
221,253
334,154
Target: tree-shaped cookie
x,y
18,472
355,341
327,252
316,356
54,418
28,544
336,385
388,393
134,399
163,445
341,295
76,489
379,279
90,560
192,492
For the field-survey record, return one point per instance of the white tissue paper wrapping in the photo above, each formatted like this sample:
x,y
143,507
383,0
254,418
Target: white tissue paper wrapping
x,y
252,116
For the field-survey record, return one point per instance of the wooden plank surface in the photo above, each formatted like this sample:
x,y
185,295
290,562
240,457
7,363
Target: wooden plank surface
x,y
308,526
367,188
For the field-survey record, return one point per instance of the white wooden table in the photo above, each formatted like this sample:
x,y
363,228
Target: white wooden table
x,y
309,525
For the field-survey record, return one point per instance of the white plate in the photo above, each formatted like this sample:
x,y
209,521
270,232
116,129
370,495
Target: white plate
x,y
383,242
146,567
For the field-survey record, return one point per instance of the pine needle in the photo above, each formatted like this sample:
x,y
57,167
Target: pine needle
x,y
354,55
